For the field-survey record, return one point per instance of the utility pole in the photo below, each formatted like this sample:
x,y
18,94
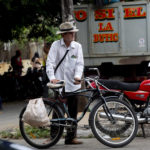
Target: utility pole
x,y
67,11
68,15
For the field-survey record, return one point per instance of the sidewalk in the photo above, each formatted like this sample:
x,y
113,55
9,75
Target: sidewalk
x,y
9,119
9,116
138,143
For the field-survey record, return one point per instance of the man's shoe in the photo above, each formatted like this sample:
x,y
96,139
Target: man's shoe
x,y
73,142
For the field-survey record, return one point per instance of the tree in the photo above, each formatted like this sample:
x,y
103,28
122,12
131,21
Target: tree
x,y
67,10
36,15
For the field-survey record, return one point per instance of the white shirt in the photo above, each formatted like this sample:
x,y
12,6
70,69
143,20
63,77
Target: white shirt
x,y
70,68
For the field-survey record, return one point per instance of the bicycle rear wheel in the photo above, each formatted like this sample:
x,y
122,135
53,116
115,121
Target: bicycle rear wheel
x,y
42,137
118,132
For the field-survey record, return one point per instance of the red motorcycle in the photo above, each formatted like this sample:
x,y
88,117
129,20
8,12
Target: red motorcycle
x,y
136,94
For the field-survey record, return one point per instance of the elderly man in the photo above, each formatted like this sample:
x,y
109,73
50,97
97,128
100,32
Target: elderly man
x,y
70,69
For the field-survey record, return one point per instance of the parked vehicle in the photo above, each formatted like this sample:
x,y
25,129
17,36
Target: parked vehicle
x,y
137,95
6,145
29,86
116,38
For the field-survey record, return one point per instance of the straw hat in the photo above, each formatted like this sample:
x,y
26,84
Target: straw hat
x,y
67,27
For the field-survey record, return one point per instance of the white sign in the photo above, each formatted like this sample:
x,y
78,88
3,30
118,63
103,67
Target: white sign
x,y
141,42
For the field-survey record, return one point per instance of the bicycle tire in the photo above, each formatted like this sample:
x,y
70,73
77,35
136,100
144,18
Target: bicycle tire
x,y
117,134
120,130
40,137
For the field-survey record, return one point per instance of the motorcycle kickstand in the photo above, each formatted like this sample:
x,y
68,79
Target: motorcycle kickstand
x,y
143,131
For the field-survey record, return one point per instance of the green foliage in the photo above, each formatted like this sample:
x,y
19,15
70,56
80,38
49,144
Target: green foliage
x,y
37,132
34,15
23,37
15,134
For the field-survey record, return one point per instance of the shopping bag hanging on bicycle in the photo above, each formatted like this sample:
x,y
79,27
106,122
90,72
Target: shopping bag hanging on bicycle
x,y
36,114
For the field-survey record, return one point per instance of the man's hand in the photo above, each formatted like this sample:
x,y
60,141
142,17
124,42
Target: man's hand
x,y
54,81
77,81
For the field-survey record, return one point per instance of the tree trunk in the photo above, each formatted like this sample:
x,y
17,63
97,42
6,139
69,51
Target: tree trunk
x,y
68,15
67,10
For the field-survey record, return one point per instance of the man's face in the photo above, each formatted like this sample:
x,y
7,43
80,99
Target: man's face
x,y
68,36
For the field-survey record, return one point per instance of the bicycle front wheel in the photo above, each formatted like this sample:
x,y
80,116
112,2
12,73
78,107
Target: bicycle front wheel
x,y
42,137
115,125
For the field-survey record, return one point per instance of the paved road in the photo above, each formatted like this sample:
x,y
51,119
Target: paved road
x,y
9,117
92,144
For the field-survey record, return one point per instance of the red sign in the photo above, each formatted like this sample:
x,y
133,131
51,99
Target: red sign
x,y
80,15
134,13
108,14
102,14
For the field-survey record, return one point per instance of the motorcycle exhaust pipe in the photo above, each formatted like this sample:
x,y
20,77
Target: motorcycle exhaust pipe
x,y
123,118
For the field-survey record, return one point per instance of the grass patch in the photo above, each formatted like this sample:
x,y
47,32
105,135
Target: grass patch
x,y
86,137
37,132
33,132
11,134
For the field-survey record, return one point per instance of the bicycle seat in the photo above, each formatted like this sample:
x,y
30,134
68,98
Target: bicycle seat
x,y
59,84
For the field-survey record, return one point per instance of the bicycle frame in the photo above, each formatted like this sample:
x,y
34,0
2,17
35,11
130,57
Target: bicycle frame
x,y
111,120
80,93
95,92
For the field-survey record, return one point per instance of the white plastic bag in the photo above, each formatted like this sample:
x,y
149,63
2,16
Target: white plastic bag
x,y
36,114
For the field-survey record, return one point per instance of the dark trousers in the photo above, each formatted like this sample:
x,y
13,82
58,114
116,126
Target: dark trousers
x,y
72,103
45,91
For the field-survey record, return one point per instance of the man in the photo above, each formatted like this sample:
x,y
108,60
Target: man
x,y
16,63
70,69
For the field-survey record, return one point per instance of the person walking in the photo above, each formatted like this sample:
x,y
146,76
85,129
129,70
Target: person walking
x,y
35,61
70,69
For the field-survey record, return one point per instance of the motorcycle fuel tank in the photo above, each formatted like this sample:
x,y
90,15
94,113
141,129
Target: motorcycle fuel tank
x,y
145,85
137,95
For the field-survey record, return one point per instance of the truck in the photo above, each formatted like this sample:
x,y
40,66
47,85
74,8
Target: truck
x,y
116,38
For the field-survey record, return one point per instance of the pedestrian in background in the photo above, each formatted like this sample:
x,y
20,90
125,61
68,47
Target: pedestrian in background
x,y
46,92
70,69
35,61
16,63
46,49
0,103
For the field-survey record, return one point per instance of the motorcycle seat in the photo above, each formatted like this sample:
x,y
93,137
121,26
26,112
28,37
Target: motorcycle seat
x,y
119,85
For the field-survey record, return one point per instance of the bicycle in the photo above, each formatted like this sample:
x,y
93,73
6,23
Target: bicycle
x,y
112,121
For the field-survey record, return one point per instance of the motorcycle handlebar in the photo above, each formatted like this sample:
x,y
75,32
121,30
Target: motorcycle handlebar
x,y
95,69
